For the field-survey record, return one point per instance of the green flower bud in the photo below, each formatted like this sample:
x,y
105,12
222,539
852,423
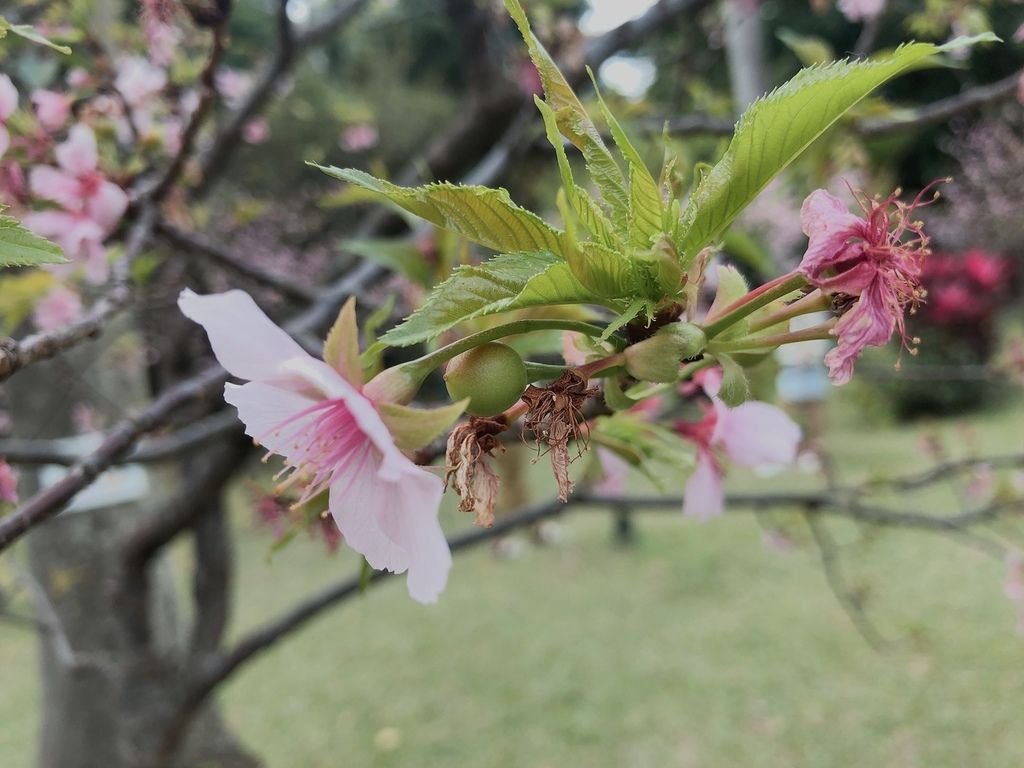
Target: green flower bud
x,y
492,376
657,358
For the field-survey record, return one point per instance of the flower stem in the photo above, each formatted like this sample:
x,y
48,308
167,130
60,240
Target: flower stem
x,y
761,296
818,332
432,360
589,370
815,301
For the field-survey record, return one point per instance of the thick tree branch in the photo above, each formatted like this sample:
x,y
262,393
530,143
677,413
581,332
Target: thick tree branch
x,y
15,354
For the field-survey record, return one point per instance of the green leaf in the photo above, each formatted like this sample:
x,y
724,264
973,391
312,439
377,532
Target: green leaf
x,y
606,272
506,282
646,208
587,211
404,258
414,428
21,248
341,348
573,121
778,127
482,215
29,33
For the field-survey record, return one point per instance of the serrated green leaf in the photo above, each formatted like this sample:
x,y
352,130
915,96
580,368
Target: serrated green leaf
x,y
646,208
506,282
587,211
29,33
404,258
21,248
573,121
778,127
414,428
480,214
605,272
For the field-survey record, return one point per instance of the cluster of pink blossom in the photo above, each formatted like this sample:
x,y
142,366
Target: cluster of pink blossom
x,y
964,289
754,434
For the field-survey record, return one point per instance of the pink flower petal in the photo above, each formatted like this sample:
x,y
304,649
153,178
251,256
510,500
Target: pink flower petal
x,y
8,98
8,483
52,108
828,224
393,523
244,339
703,498
78,155
52,184
108,205
756,434
870,323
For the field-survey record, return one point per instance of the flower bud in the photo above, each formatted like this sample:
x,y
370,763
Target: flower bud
x,y
395,385
657,358
492,376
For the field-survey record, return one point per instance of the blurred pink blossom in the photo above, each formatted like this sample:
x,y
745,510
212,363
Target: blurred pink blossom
x,y
755,435
861,10
52,108
614,471
92,205
78,77
358,138
332,437
8,103
138,80
8,483
256,131
864,257
233,86
60,307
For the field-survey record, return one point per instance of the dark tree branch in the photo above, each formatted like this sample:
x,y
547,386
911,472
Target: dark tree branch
x,y
851,602
196,244
15,354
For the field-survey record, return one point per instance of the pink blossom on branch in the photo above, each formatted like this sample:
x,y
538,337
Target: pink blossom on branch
x,y
92,205
861,10
8,483
755,435
332,439
52,108
58,308
864,257
8,103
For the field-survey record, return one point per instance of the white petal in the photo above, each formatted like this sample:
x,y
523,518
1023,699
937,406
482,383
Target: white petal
x,y
244,339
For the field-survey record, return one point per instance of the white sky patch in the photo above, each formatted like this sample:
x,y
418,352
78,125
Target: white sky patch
x,y
608,14
298,11
629,76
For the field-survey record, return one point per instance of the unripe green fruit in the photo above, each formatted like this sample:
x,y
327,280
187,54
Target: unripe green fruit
x,y
492,376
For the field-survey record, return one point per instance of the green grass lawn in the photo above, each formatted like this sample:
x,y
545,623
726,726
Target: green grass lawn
x,y
697,646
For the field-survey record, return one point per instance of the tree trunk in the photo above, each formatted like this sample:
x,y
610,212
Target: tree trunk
x,y
106,698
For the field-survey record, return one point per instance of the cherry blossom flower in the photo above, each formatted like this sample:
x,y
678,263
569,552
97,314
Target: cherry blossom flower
x,y
8,103
333,440
138,80
358,138
58,308
256,131
861,10
52,108
8,483
92,205
865,258
755,434
233,86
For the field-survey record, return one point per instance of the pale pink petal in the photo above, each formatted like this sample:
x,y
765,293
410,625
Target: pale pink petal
x,y
262,408
107,205
57,309
393,523
571,353
5,140
8,98
710,379
52,184
78,155
243,338
870,323
8,483
756,434
330,384
52,108
138,80
861,10
828,224
614,470
703,498
93,254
